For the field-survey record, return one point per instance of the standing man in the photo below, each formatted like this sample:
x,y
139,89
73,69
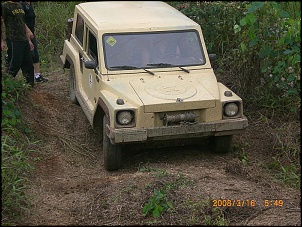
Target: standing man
x,y
30,21
19,45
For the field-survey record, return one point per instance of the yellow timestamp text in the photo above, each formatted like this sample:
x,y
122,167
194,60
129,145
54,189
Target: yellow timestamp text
x,y
273,202
233,202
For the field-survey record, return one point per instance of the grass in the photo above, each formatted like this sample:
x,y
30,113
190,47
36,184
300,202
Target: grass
x,y
51,30
15,148
203,212
285,165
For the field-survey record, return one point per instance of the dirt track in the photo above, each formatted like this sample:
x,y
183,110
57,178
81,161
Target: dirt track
x,y
71,187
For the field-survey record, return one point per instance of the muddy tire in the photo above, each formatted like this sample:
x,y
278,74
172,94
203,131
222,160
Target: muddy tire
x,y
112,153
221,144
72,86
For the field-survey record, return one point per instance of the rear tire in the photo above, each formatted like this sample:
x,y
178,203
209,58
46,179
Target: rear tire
x,y
112,153
221,144
72,86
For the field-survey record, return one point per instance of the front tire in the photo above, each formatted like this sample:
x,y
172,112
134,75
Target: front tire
x,y
112,153
72,86
221,144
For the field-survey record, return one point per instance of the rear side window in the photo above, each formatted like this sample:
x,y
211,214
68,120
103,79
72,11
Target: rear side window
x,y
79,30
92,47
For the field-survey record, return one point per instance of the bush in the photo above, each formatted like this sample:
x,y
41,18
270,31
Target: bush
x,y
14,154
273,34
51,30
257,46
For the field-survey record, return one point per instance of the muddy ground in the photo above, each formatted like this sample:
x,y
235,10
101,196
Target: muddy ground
x,y
70,186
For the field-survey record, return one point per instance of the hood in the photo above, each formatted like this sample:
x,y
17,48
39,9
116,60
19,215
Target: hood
x,y
173,93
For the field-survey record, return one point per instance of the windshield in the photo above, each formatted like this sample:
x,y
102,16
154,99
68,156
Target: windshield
x,y
152,50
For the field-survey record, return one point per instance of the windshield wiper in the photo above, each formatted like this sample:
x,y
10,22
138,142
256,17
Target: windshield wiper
x,y
163,65
130,67
123,67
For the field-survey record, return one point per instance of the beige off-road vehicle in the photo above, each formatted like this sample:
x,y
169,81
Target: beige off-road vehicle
x,y
141,73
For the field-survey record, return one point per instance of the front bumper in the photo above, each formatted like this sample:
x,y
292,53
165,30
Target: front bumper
x,y
216,128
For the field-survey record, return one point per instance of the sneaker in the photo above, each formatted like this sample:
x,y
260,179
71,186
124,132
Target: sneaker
x,y
40,79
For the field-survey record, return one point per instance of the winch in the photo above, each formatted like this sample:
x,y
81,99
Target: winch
x,y
187,117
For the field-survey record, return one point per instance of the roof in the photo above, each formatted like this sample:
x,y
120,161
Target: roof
x,y
123,15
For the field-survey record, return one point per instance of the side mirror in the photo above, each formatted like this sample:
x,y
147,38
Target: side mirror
x,y
212,56
90,64
69,28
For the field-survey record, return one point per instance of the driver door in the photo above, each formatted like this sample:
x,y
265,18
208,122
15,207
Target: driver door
x,y
89,79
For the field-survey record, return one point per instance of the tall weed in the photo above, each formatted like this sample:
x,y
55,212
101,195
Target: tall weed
x,y
271,34
257,46
14,152
51,28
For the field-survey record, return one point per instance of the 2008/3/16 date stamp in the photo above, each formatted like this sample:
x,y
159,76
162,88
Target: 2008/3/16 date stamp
x,y
233,202
246,202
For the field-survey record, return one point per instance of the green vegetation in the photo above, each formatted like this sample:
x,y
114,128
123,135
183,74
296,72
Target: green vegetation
x,y
203,212
51,30
14,151
258,46
258,49
15,136
285,165
276,43
160,204
157,204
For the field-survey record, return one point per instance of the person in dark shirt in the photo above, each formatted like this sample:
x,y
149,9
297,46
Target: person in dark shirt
x,y
30,20
18,41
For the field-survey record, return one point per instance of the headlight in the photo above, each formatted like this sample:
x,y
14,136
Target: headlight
x,y
124,117
231,109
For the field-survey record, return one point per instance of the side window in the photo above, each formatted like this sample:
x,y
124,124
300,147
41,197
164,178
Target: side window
x,y
79,31
92,47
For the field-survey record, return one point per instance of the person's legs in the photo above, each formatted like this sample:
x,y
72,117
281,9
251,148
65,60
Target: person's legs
x,y
36,57
36,62
37,68
8,55
14,57
27,64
